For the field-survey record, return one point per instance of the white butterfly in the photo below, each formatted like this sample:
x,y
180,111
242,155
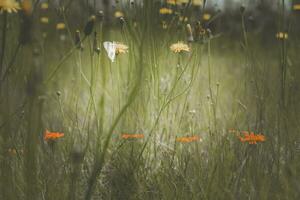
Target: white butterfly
x,y
110,48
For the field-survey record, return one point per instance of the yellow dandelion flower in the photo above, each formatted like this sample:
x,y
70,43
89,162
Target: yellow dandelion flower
x,y
179,47
9,6
296,7
197,2
44,20
206,16
60,26
119,14
121,48
172,2
282,36
165,11
44,6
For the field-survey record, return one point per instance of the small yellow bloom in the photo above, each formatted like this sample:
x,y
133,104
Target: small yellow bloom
x,y
121,48
171,2
282,36
119,14
9,6
179,47
44,20
296,7
60,26
206,16
165,11
44,6
197,2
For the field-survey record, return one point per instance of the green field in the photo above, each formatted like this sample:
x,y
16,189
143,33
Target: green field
x,y
226,84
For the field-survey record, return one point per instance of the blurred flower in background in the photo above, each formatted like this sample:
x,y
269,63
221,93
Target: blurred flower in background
x,y
9,6
179,47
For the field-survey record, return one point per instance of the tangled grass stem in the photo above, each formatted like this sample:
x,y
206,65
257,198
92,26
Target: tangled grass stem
x,y
3,42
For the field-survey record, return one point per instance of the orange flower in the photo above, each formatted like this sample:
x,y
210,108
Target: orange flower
x,y
127,136
50,136
188,139
252,138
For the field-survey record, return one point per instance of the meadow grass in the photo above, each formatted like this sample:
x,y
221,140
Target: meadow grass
x,y
223,83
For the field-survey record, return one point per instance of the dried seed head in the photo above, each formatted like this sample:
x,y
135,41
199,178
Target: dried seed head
x,y
100,15
88,29
77,40
95,43
122,21
242,9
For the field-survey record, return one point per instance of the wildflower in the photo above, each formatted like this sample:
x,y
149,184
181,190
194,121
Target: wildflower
x,y
60,26
188,139
165,11
197,2
27,7
296,7
114,48
136,136
206,16
88,29
171,2
51,136
119,14
44,20
9,6
179,47
121,48
252,138
44,6
282,35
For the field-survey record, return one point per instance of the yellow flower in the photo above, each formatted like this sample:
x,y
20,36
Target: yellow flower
x,y
121,48
60,26
282,35
296,7
44,6
165,11
44,20
171,2
179,47
197,2
206,16
119,14
9,6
